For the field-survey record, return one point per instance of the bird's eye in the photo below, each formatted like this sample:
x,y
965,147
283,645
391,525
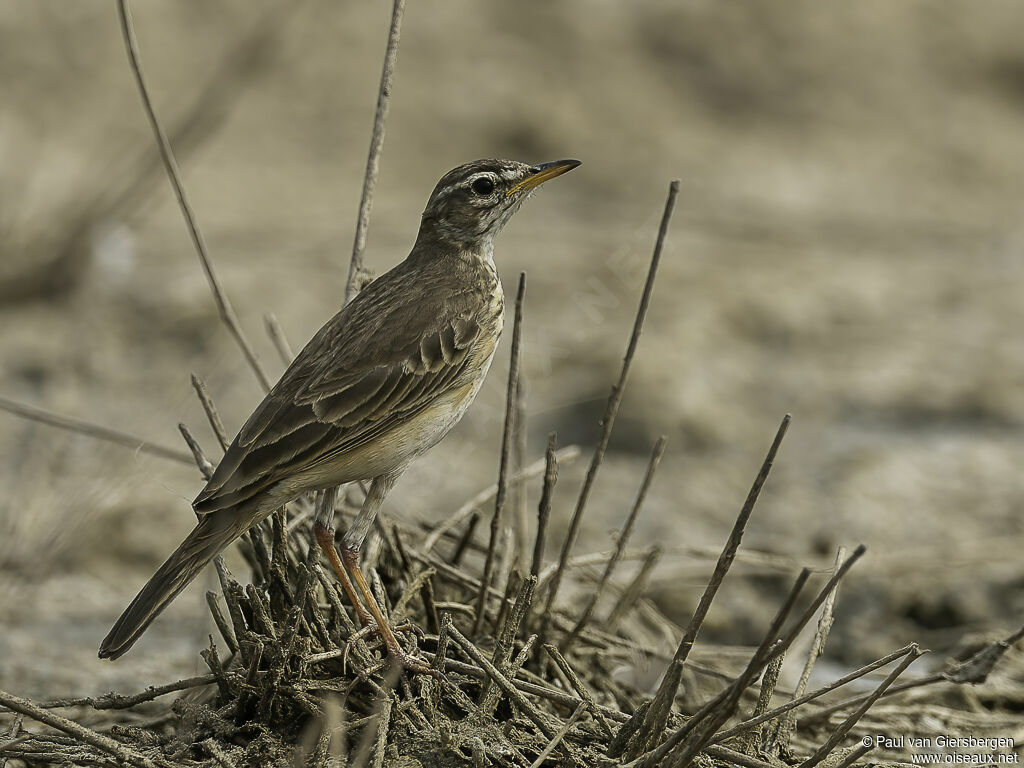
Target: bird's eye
x,y
483,186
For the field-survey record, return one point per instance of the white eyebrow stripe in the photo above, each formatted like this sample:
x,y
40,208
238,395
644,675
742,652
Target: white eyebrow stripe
x,y
484,175
509,174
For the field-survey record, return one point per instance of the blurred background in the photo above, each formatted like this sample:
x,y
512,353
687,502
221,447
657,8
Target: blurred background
x,y
847,247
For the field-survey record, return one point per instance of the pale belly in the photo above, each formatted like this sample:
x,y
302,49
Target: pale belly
x,y
392,451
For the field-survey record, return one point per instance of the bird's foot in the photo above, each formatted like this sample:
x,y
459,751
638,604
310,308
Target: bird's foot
x,y
370,628
396,653
409,662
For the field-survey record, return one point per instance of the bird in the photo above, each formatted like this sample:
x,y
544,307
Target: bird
x,y
381,383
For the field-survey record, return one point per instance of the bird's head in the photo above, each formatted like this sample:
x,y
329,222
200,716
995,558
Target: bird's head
x,y
471,203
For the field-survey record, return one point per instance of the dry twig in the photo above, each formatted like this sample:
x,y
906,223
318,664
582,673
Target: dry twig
x,y
43,416
654,721
105,744
506,449
612,408
380,118
620,544
227,312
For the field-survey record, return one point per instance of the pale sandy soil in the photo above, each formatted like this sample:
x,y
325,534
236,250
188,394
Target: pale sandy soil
x,y
847,247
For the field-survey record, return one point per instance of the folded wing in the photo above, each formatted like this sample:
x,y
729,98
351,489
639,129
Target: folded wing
x,y
363,373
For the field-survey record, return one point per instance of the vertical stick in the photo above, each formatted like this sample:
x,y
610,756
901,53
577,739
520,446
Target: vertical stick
x,y
522,522
506,449
544,509
634,591
210,410
777,735
227,312
613,401
620,545
654,723
380,119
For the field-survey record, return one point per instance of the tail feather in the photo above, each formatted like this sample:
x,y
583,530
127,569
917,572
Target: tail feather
x,y
213,533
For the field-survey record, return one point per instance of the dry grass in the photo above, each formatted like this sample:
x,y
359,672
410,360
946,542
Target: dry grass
x,y
520,676
292,681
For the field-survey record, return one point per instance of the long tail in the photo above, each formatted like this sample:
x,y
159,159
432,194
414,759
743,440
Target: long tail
x,y
213,533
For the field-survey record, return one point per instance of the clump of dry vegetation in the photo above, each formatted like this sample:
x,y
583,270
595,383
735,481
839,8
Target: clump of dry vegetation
x,y
519,675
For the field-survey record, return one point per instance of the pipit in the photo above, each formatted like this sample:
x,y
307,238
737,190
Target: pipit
x,y
380,384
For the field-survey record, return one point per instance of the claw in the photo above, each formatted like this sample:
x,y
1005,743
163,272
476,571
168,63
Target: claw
x,y
400,656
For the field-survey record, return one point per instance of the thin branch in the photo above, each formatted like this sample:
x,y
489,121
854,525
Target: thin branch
x,y
768,684
564,456
503,647
632,594
974,670
588,560
552,745
732,757
692,736
278,337
522,520
504,683
579,686
855,755
223,625
544,508
115,748
654,721
206,467
43,416
826,712
977,668
620,544
725,702
794,703
227,313
211,412
725,560
119,701
612,408
465,539
506,451
781,733
726,708
380,118
816,603
543,692
780,646
823,751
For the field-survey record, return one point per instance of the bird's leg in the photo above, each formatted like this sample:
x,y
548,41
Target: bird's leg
x,y
349,562
323,529
350,555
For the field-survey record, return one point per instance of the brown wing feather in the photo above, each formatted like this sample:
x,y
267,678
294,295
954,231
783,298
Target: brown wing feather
x,y
372,366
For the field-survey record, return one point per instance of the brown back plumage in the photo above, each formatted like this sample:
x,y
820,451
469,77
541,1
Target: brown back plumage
x,y
403,341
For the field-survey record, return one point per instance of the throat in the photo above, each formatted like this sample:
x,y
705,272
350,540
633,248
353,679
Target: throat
x,y
481,257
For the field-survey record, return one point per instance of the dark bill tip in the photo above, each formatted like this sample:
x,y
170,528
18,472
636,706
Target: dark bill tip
x,y
563,166
543,172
